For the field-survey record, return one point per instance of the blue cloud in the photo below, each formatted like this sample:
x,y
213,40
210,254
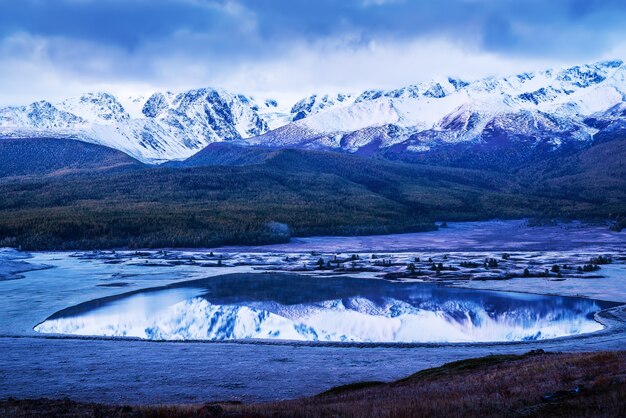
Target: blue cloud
x,y
47,45
512,26
120,23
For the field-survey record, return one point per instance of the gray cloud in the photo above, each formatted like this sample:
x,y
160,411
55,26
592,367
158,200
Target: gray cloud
x,y
142,44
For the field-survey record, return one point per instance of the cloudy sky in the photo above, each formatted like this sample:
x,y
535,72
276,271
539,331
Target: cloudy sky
x,y
50,49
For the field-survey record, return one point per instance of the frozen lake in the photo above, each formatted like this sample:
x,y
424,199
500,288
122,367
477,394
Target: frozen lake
x,y
87,293
290,307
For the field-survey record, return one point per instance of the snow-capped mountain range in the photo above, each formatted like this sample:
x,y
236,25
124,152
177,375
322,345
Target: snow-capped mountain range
x,y
552,106
164,126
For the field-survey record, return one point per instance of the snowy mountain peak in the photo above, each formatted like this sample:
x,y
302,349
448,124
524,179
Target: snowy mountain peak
x,y
549,105
433,89
217,113
164,126
96,107
555,105
588,75
38,115
316,103
156,104
45,115
271,103
457,83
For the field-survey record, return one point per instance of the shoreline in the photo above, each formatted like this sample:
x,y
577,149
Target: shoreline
x,y
557,381
452,226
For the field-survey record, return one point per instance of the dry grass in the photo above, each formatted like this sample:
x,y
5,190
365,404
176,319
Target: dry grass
x,y
491,386
486,387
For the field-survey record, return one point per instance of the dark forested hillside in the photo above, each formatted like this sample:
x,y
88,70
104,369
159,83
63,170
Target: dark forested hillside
x,y
596,174
264,196
225,153
36,156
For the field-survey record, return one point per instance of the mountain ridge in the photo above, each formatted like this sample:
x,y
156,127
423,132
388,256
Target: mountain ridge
x,y
550,107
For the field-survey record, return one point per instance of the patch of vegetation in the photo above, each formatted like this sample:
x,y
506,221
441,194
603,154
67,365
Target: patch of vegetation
x,y
337,390
588,268
601,260
59,156
619,225
460,366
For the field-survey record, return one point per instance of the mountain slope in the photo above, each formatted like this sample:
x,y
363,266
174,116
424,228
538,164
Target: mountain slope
x,y
596,175
41,156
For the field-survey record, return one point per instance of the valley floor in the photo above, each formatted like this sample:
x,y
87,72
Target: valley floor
x,y
117,372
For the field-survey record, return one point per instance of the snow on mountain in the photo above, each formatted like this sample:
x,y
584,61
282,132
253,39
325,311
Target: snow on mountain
x,y
164,126
316,103
102,108
552,105
451,110
39,115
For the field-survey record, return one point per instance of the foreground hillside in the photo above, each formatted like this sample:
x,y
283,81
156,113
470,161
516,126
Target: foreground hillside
x,y
533,385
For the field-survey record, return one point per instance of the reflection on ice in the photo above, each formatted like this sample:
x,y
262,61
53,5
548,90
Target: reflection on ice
x,y
290,307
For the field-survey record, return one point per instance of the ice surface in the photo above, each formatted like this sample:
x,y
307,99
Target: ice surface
x,y
612,286
290,307
69,280
13,263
